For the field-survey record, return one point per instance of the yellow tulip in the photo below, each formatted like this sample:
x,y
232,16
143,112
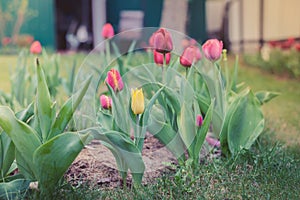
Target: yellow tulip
x,y
137,101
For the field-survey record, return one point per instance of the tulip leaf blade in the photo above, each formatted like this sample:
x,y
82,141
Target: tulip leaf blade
x,y
202,131
55,156
7,154
127,155
165,133
186,124
23,136
265,96
118,111
44,110
66,112
12,189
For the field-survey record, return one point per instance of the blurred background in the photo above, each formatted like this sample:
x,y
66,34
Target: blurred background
x,y
243,25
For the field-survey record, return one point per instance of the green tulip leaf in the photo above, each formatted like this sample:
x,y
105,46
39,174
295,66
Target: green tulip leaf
x,y
54,157
202,131
186,124
44,110
165,133
66,112
243,124
7,154
265,96
119,112
127,155
25,168
10,190
23,136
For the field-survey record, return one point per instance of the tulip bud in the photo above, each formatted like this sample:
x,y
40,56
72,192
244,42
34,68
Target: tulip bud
x,y
212,49
199,120
137,101
159,58
190,54
107,31
114,79
105,101
162,41
36,47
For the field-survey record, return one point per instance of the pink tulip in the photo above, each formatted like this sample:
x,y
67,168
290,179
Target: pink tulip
x,y
105,101
107,31
212,49
162,41
114,79
190,54
36,47
213,142
6,41
199,120
159,58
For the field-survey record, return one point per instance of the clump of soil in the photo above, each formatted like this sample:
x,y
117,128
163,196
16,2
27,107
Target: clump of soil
x,y
96,165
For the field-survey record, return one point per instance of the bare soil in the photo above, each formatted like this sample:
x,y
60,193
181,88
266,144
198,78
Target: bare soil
x,y
96,165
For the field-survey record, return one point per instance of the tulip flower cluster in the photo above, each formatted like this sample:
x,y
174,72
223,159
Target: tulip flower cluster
x,y
181,109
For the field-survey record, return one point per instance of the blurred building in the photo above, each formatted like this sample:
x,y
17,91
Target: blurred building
x,y
245,25
241,24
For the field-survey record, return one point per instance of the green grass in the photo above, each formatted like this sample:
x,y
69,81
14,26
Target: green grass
x,y
6,63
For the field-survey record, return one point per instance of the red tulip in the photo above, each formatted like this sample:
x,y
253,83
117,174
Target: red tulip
x,y
107,31
114,79
5,41
159,58
199,120
297,47
36,47
273,43
162,41
190,54
105,101
288,43
212,49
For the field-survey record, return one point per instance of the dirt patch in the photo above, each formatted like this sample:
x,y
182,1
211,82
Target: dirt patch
x,y
96,165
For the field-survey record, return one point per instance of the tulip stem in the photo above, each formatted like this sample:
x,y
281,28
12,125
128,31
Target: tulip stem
x,y
139,140
162,69
227,75
107,51
186,72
